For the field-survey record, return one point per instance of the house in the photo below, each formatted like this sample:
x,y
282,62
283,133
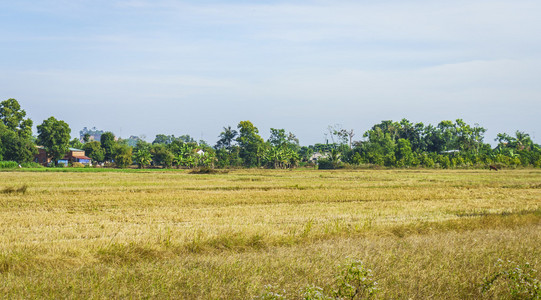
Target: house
x,y
77,155
73,155
317,156
41,157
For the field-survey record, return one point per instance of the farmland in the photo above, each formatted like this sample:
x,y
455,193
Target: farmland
x,y
172,234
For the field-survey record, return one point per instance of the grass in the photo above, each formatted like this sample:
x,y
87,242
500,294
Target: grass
x,y
172,234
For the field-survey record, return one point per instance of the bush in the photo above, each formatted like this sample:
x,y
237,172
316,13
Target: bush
x,y
206,170
325,164
8,165
354,281
77,165
31,165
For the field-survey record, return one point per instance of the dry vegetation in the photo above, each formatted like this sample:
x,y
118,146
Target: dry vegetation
x,y
172,234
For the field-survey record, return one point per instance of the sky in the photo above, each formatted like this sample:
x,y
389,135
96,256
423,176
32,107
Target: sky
x,y
147,67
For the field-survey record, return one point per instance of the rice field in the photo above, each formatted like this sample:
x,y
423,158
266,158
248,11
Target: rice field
x,y
235,235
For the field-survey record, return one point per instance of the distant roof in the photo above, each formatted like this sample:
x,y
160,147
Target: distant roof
x,y
75,149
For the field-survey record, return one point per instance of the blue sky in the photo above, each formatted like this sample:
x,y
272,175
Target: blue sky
x,y
191,67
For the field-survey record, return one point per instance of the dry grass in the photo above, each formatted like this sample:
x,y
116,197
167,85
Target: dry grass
x,y
171,234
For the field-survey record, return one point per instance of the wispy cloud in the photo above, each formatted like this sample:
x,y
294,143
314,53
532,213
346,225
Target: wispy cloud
x,y
354,62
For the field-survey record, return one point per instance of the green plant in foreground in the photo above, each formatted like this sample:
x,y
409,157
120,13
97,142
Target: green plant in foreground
x,y
312,292
519,280
354,281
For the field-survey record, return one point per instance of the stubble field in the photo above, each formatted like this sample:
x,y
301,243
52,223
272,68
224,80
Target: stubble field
x,y
172,234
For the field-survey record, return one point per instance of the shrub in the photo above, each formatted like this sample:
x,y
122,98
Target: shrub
x,y
355,281
8,165
77,165
325,164
31,165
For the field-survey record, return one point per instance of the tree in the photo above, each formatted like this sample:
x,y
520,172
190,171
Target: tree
x,y
278,137
186,138
54,135
142,158
14,147
107,141
163,139
227,137
94,151
141,154
161,155
403,153
251,144
12,116
75,143
122,155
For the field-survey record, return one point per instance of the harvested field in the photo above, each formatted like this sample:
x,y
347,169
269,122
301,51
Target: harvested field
x,y
172,234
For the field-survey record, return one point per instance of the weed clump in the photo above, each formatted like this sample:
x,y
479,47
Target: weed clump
x,y
518,281
207,170
354,281
13,190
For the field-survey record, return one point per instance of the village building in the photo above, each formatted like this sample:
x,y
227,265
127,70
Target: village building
x,y
73,155
317,156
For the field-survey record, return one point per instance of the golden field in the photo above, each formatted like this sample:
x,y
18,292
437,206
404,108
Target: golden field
x,y
172,234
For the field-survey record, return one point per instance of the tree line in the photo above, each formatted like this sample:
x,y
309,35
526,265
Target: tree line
x,y
449,144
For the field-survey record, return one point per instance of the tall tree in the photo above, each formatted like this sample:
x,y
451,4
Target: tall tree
x,y
14,147
54,135
12,116
251,144
227,137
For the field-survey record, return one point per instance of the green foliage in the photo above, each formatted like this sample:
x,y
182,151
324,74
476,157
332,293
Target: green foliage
x,y
15,133
227,137
8,164
252,146
122,155
161,155
282,150
516,280
312,292
355,281
12,116
54,135
31,165
14,147
327,164
107,142
94,151
142,155
163,139
75,143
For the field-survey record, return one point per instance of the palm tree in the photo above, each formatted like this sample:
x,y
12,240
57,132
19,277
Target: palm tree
x,y
226,138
